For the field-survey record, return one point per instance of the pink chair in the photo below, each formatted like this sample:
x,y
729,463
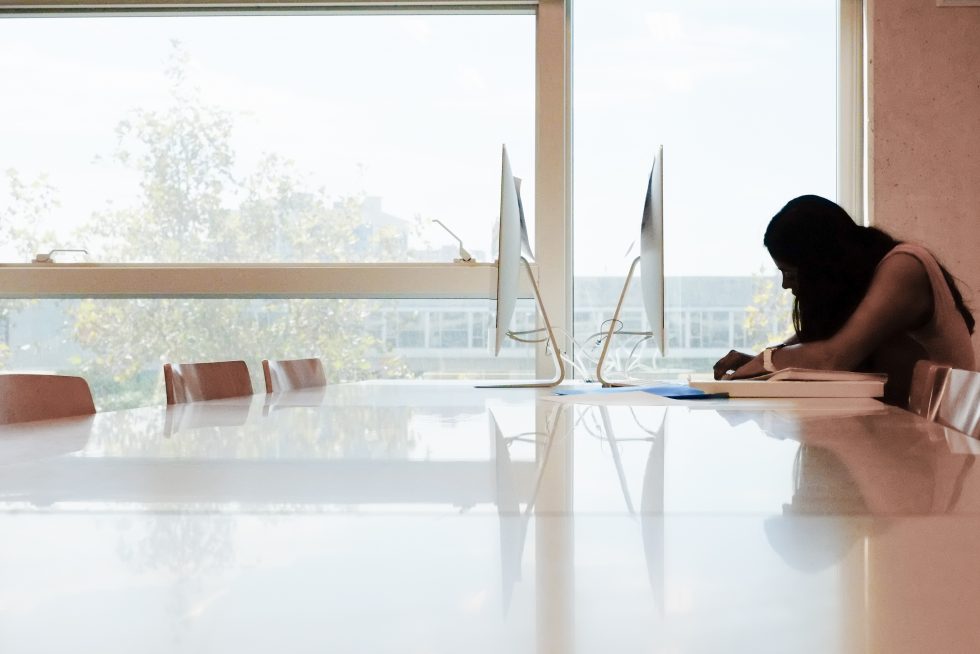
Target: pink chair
x,y
24,398
195,382
293,374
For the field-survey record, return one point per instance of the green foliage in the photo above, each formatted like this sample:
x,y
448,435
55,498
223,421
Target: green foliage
x,y
22,234
22,229
769,319
193,208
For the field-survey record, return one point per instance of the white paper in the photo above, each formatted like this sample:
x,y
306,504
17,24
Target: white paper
x,y
629,398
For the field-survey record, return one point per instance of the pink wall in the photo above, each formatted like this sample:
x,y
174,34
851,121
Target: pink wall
x,y
925,131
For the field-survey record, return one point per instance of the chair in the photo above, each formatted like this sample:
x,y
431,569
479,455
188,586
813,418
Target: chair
x,y
292,374
195,382
959,402
24,398
926,387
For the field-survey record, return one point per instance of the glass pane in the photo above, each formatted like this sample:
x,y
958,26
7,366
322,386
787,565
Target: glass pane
x,y
119,346
189,138
410,328
742,98
450,329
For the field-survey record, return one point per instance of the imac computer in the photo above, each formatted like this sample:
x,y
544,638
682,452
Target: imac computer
x,y
651,262
513,255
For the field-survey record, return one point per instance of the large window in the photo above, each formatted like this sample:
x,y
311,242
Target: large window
x,y
246,138
256,138
119,345
336,138
742,96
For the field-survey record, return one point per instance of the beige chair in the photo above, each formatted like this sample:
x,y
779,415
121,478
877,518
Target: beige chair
x,y
24,398
293,374
194,382
959,401
928,378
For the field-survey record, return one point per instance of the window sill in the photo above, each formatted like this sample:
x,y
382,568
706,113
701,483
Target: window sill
x,y
300,280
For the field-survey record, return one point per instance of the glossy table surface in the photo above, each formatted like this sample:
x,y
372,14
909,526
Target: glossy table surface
x,y
435,517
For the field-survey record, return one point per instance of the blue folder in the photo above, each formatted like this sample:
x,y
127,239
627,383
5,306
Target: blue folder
x,y
671,391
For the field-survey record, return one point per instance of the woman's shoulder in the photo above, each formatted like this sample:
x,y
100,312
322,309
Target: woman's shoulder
x,y
912,251
902,278
914,260
906,263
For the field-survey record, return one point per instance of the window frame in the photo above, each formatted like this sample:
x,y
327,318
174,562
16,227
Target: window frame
x,y
553,175
315,280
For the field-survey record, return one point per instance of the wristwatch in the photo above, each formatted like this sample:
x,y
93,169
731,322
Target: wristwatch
x,y
767,363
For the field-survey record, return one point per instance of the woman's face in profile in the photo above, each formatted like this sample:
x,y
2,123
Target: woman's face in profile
x,y
789,272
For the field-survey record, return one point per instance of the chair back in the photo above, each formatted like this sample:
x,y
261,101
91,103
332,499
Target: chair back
x,y
195,382
24,398
293,374
928,378
959,401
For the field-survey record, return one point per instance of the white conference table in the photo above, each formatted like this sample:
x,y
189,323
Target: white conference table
x,y
435,517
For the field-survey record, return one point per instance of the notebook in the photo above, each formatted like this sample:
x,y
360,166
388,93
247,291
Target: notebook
x,y
800,382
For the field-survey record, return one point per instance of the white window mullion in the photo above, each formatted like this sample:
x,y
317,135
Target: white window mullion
x,y
553,166
405,280
850,108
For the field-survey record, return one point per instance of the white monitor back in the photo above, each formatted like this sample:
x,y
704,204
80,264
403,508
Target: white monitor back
x,y
525,239
652,252
509,252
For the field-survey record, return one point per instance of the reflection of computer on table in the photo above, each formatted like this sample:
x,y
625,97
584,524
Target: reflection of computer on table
x,y
651,262
509,263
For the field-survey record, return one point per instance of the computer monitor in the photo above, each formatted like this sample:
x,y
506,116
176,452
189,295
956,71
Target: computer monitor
x,y
509,252
651,261
526,251
652,252
512,239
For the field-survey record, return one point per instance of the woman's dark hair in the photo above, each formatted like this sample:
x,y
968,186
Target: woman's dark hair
x,y
835,260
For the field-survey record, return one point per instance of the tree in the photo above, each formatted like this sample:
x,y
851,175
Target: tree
x,y
769,319
192,207
28,203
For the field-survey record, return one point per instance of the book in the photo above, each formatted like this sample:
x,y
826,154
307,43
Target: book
x,y
800,382
813,374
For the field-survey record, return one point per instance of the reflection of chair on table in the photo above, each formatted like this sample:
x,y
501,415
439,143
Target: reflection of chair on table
x,y
25,398
958,405
293,374
196,382
925,390
190,416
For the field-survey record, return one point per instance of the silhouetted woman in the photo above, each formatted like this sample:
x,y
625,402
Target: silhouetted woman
x,y
863,301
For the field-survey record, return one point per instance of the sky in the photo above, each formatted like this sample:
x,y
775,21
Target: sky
x,y
414,109
740,95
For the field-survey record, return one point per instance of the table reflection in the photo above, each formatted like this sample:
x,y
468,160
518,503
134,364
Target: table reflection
x,y
537,526
239,453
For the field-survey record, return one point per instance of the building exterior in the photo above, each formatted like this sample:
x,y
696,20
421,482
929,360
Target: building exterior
x,y
706,317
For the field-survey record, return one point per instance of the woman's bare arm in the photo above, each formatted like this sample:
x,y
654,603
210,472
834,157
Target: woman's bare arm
x,y
898,300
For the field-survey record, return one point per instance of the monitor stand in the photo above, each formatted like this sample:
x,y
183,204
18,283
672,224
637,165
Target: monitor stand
x,y
555,352
612,330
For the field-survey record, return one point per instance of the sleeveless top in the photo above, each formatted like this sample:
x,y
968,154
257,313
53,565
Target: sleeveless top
x,y
945,337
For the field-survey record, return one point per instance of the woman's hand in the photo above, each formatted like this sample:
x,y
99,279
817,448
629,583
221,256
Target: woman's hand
x,y
752,368
731,361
